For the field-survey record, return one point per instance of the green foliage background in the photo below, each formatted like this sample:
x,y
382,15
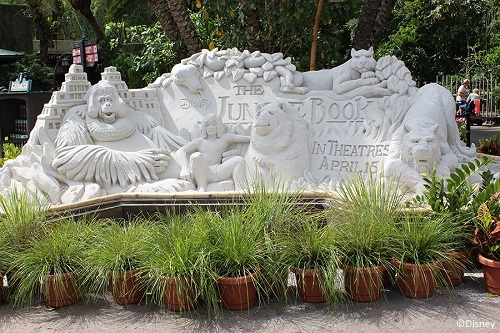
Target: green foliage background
x,y
456,37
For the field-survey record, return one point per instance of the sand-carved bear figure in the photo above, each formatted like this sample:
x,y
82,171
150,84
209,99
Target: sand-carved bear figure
x,y
279,144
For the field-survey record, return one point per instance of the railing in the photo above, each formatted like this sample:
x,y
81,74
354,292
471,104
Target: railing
x,y
486,85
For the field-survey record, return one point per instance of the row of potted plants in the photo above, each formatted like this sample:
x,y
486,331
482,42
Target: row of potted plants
x,y
366,237
474,205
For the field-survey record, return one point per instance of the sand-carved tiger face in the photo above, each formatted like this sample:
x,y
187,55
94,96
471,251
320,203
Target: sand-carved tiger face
x,y
420,148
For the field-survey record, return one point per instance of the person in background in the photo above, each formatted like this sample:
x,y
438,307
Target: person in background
x,y
463,92
473,95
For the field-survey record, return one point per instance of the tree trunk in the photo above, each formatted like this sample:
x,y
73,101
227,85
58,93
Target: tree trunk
x,y
45,43
317,20
383,15
252,27
162,12
164,16
180,13
83,6
35,10
373,20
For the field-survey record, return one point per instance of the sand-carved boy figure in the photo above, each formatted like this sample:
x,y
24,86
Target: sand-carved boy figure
x,y
204,161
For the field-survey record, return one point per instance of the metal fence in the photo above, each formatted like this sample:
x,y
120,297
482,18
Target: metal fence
x,y
486,85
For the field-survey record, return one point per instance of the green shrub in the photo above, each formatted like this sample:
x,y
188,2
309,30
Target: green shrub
x,y
42,76
490,146
10,152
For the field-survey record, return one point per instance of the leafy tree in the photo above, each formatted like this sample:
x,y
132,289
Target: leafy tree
x,y
283,26
30,65
46,17
130,12
438,36
83,6
140,53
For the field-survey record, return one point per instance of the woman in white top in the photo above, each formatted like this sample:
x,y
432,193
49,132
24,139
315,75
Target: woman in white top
x,y
463,91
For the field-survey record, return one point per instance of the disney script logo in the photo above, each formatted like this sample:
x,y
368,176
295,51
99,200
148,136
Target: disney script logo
x,y
188,103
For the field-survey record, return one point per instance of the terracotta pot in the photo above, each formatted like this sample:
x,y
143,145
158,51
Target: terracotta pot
x,y
60,290
452,270
363,284
126,288
491,270
237,293
386,275
308,285
415,281
180,295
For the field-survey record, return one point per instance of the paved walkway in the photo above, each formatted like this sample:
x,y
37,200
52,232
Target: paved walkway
x,y
470,309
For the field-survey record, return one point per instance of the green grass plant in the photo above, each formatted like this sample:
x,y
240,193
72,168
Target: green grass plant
x,y
116,246
178,249
364,214
57,248
22,216
424,238
235,242
273,209
309,242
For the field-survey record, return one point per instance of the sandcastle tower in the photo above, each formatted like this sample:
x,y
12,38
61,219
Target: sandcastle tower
x,y
113,77
74,89
72,93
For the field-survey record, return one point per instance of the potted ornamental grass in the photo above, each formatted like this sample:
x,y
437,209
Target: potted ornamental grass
x,y
50,264
22,217
421,243
487,240
364,215
273,209
113,261
235,244
311,252
177,267
4,263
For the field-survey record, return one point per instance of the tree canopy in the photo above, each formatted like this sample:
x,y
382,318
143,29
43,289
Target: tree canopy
x,y
442,36
431,36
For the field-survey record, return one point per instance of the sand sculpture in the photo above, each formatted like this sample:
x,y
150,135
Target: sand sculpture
x,y
223,119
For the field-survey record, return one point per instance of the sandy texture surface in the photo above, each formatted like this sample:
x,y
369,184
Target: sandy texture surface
x,y
469,309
